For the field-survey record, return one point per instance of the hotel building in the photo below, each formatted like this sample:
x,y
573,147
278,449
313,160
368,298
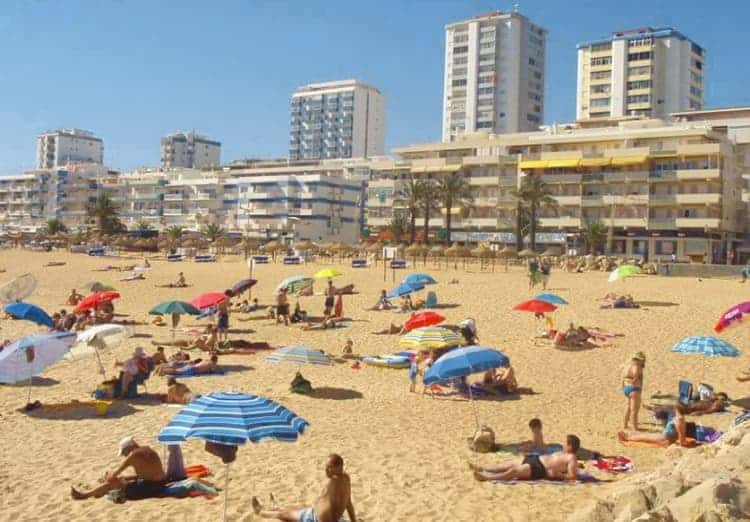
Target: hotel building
x,y
189,150
342,119
642,72
494,75
58,148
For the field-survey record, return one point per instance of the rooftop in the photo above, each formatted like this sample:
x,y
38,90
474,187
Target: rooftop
x,y
492,15
638,33
315,88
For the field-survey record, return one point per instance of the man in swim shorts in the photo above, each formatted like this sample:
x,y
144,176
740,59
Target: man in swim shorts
x,y
148,481
562,465
334,500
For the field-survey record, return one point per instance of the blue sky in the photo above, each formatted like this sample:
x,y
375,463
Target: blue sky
x,y
133,70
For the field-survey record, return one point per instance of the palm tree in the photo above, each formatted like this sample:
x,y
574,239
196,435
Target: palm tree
x,y
534,194
174,233
398,225
411,200
454,191
213,232
55,226
428,200
594,234
106,214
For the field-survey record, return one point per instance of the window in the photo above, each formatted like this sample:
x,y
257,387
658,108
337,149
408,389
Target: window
x,y
460,60
487,68
698,93
640,42
696,63
486,90
458,115
459,71
640,84
601,60
459,83
487,79
601,75
601,47
602,114
697,78
645,55
460,38
600,102
485,125
532,61
537,75
637,71
601,89
461,49
535,40
639,98
533,118
535,96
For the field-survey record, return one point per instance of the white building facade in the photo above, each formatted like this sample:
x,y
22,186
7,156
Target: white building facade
x,y
649,72
341,119
189,150
58,148
494,75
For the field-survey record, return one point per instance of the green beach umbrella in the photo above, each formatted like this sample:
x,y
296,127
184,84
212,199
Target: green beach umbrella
x,y
623,272
176,309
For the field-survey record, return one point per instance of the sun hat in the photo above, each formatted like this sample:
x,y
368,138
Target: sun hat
x,y
126,443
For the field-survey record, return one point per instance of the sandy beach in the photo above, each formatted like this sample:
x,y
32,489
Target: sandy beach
x,y
406,453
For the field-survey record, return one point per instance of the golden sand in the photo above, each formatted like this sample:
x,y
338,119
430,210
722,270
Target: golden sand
x,y
406,452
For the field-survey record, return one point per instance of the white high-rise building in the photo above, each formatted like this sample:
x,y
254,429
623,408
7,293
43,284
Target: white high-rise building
x,y
640,72
189,150
342,119
58,148
494,75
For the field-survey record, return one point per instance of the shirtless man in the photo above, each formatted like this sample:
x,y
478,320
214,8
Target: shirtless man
x,y
562,465
282,307
74,298
201,368
334,500
148,481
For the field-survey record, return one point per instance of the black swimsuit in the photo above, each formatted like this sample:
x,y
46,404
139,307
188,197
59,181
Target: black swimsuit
x,y
538,470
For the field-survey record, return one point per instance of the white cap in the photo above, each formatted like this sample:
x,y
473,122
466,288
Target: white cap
x,y
126,443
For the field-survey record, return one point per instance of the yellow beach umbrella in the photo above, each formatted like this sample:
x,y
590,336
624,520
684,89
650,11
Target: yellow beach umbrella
x,y
430,337
327,273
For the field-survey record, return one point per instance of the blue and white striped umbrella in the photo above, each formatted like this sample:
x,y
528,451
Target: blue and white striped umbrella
x,y
706,345
462,362
32,354
233,418
299,355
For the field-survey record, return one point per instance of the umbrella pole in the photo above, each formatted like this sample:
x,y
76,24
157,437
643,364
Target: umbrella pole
x,y
474,406
226,493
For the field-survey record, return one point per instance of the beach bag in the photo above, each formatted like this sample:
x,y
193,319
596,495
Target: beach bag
x,y
705,392
300,385
226,452
483,440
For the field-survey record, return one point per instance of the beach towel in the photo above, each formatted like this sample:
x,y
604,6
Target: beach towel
x,y
583,478
197,471
614,465
190,487
741,418
191,376
689,443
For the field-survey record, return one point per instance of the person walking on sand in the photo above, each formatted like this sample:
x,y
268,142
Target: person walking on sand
x,y
413,372
222,324
533,269
330,506
545,268
632,388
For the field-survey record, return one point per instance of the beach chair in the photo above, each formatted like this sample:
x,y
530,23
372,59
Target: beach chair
x,y
431,300
97,251
174,258
398,263
685,390
292,260
359,263
261,260
205,258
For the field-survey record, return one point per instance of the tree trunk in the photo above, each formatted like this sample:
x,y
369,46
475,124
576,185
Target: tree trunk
x,y
427,225
448,217
519,231
412,225
532,228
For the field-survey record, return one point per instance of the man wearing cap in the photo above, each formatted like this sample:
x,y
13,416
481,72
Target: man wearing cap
x,y
130,368
148,481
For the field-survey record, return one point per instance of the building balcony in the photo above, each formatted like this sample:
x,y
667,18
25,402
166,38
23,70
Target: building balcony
x,y
625,199
698,149
485,201
568,200
592,201
560,222
507,201
173,197
485,222
378,202
662,200
562,178
629,222
707,198
483,181
698,222
172,212
201,196
691,174
378,221
146,196
661,224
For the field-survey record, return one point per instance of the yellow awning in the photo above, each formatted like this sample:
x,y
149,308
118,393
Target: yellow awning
x,y
417,170
533,164
595,162
664,154
450,168
629,160
564,163
455,211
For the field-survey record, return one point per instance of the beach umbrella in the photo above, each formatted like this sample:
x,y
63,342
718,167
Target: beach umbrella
x,y
232,419
623,272
535,306
29,312
99,337
732,317
208,300
242,285
551,298
404,289
430,337
175,309
507,252
18,289
327,273
96,299
423,319
420,279
299,355
705,345
295,283
31,355
526,253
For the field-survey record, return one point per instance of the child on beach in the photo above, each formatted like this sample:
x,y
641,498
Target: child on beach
x,y
536,443
413,372
348,348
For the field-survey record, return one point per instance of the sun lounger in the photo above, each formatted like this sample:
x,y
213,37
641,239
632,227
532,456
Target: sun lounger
x,y
175,258
359,263
205,258
398,263
292,260
97,251
261,260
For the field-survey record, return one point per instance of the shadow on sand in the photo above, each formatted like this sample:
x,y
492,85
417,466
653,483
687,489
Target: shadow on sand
x,y
336,394
79,411
35,381
654,304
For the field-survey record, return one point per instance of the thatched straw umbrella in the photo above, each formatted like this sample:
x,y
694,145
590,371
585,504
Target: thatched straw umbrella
x,y
484,252
551,252
526,253
507,253
305,245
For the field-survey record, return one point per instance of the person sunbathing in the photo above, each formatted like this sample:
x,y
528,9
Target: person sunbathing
x,y
55,263
177,393
135,276
562,465
158,357
327,322
383,302
197,368
330,506
393,329
623,301
299,315
501,380
74,298
676,429
743,376
149,479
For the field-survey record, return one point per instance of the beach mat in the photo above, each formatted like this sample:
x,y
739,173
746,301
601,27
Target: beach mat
x,y
689,443
583,478
214,374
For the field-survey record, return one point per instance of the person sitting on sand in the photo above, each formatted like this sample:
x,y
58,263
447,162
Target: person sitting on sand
x,y
330,506
676,429
149,479
406,304
74,298
197,368
206,341
562,465
136,364
536,444
180,283
282,307
299,315
104,313
177,393
505,380
383,302
158,357
348,350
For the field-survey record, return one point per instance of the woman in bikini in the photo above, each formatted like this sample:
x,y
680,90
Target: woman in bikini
x,y
632,388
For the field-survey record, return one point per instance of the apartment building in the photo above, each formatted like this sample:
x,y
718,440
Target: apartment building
x,y
340,119
189,150
55,149
661,187
494,75
641,72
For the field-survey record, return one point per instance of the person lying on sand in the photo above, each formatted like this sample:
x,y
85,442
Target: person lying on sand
x,y
392,329
328,322
743,376
201,368
106,268
149,479
501,380
676,429
562,465
177,393
55,263
74,298
330,506
180,283
135,276
622,301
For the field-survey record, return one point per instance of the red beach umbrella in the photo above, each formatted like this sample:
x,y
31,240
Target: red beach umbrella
x,y
208,300
423,319
95,300
535,306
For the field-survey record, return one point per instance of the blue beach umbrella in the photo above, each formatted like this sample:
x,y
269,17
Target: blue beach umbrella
x,y
29,312
232,419
705,345
551,298
404,289
299,355
419,279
